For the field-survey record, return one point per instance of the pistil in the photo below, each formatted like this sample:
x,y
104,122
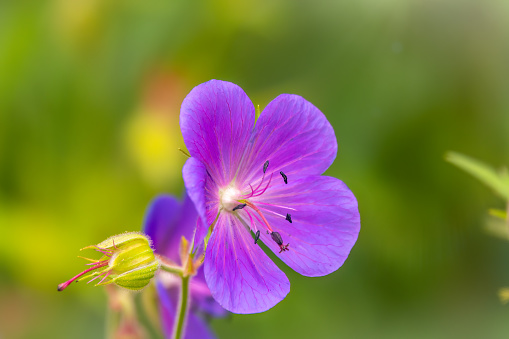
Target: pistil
x,y
233,202
64,285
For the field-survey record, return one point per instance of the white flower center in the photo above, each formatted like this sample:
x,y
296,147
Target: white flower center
x,y
229,198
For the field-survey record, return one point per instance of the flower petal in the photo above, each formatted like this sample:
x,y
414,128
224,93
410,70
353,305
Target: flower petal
x,y
196,181
202,299
216,120
325,223
195,327
294,136
167,220
160,223
239,274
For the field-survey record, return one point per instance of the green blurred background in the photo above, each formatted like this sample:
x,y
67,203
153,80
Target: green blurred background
x,y
90,92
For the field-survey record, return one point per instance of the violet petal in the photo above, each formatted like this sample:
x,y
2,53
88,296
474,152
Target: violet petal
x,y
195,176
160,223
294,136
202,298
216,120
325,223
239,274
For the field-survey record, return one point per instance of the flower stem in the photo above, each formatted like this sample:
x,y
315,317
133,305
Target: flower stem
x,y
507,216
182,314
169,266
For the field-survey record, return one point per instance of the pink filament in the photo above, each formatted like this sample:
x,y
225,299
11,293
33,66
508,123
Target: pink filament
x,y
274,205
64,285
106,276
257,187
249,195
103,251
253,226
261,215
275,213
263,178
258,194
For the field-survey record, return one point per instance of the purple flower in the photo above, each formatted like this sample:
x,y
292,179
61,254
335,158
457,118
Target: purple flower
x,y
264,178
167,220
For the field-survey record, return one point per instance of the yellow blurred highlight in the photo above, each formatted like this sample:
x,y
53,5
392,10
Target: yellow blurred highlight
x,y
152,142
498,213
30,250
79,23
503,294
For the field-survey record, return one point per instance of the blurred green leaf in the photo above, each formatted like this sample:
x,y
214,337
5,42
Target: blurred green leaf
x,y
498,213
499,182
496,227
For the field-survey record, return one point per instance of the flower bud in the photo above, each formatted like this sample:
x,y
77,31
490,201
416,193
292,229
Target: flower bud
x,y
127,261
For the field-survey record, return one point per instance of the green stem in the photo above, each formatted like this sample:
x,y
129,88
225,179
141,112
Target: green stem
x,y
112,322
169,266
182,314
507,216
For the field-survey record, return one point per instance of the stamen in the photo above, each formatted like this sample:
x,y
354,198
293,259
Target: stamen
x,y
285,178
104,251
261,215
279,240
274,205
106,276
258,194
257,219
253,191
239,207
97,276
246,196
270,211
93,261
289,217
257,187
253,226
257,236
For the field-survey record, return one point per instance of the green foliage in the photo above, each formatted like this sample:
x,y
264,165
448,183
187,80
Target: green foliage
x,y
498,181
401,82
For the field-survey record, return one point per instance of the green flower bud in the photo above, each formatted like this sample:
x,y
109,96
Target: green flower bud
x,y
128,261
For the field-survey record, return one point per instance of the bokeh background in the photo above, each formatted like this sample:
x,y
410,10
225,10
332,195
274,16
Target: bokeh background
x,y
90,92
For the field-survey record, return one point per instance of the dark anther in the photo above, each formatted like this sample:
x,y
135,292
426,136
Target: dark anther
x,y
265,166
239,207
257,236
285,178
277,238
289,217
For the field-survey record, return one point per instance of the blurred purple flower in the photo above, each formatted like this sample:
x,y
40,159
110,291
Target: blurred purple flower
x,y
265,178
166,221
